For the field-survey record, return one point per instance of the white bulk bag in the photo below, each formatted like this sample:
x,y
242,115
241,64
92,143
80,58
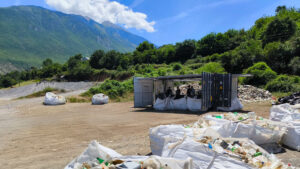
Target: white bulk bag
x,y
291,117
91,153
202,156
292,137
157,162
258,134
193,104
284,113
160,104
96,150
235,105
178,104
100,99
164,134
53,99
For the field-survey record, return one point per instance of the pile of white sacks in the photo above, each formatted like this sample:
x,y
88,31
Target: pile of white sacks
x,y
229,140
185,103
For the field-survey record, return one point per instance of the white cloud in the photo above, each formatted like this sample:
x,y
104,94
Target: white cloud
x,y
136,3
104,10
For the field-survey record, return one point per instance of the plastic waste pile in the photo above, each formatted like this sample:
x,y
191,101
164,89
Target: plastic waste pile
x,y
292,99
97,156
248,93
289,116
240,125
53,99
100,99
209,149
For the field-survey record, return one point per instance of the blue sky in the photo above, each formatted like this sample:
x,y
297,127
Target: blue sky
x,y
177,20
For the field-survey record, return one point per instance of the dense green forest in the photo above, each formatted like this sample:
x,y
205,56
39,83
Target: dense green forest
x,y
270,50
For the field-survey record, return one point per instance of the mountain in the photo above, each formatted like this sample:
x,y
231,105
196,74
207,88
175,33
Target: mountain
x,y
30,34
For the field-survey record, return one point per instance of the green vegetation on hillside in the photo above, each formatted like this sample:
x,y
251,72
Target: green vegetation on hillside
x,y
43,92
30,34
272,56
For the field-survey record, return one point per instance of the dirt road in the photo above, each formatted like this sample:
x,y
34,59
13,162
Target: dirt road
x,y
41,137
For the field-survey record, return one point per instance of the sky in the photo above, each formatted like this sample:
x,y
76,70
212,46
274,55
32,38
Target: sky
x,y
167,21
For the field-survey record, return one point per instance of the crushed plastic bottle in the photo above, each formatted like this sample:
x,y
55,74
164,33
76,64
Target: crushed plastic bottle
x,y
257,154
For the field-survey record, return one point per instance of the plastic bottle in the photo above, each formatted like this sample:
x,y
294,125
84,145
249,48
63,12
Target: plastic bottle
x,y
257,154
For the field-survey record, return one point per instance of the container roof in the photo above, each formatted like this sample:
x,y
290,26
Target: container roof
x,y
194,76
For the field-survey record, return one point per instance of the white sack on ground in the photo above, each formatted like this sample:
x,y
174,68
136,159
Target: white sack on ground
x,y
202,156
193,104
91,154
246,129
235,105
285,113
53,99
157,162
88,159
100,99
218,153
164,134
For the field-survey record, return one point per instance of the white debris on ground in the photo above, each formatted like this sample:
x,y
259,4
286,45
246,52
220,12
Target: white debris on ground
x,y
248,93
229,140
97,156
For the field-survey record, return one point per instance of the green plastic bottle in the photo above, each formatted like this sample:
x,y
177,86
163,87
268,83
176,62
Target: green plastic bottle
x,y
257,154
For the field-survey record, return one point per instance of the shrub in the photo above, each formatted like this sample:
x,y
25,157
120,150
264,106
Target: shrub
x,y
295,65
262,74
177,66
112,88
284,83
212,67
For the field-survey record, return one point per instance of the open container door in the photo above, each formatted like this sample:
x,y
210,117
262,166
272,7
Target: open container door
x,y
222,90
143,92
207,88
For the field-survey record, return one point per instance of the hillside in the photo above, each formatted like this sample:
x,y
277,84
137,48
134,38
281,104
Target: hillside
x,y
29,34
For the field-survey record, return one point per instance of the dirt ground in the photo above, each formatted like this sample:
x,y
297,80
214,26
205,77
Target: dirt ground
x,y
41,137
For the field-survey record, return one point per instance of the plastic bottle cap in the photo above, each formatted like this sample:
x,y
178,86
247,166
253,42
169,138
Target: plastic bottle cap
x,y
209,146
218,117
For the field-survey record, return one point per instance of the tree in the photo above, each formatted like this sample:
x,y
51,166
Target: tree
x,y
110,60
278,56
295,65
280,8
74,61
144,46
166,54
185,50
279,30
95,59
7,81
47,62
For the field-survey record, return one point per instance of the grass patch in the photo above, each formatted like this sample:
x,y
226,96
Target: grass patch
x,y
78,99
281,94
25,83
43,93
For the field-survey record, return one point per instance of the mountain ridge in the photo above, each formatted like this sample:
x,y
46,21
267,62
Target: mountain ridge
x,y
30,34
